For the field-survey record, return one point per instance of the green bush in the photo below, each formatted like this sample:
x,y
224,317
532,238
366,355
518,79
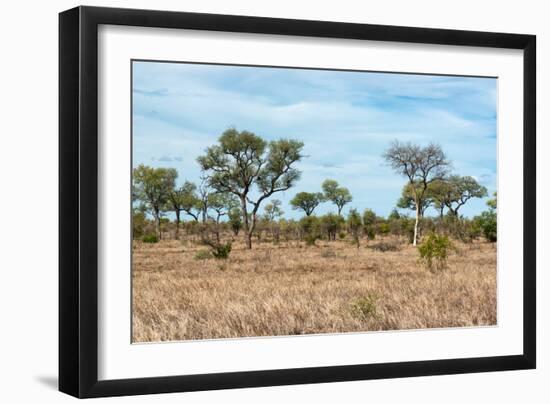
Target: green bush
x,y
365,307
221,251
371,233
309,225
139,222
383,228
331,225
487,222
407,228
434,251
311,239
150,238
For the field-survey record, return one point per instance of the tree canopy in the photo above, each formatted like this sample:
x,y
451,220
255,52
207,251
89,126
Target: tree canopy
x,y
153,186
338,195
243,162
306,201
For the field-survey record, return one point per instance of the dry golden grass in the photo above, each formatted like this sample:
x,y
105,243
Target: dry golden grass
x,y
290,289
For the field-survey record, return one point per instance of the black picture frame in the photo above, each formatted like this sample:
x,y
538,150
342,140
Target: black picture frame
x,y
78,201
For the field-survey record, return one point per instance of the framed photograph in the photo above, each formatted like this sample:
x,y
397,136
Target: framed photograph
x,y
249,201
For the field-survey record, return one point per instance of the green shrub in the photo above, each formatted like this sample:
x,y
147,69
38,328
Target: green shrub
x,y
311,239
139,222
150,238
331,225
203,255
221,251
406,228
342,235
487,222
468,231
309,225
434,251
383,228
371,233
364,308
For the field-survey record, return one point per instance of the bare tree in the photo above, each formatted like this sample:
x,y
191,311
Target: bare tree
x,y
203,196
242,161
273,212
421,166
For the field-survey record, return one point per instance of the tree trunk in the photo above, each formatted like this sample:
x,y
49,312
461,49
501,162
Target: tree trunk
x,y
177,224
415,236
157,226
247,235
251,231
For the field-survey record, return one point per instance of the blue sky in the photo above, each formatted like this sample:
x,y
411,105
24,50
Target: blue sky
x,y
345,119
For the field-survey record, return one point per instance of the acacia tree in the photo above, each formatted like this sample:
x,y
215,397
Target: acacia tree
x,y
338,195
439,193
461,190
184,199
243,162
152,187
421,166
307,201
189,201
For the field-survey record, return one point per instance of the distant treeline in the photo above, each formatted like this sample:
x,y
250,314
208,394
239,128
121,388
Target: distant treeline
x,y
242,172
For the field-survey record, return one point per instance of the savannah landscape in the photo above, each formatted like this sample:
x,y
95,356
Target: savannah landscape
x,y
254,232
262,275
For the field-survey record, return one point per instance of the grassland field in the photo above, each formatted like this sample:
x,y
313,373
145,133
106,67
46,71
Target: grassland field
x,y
291,289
